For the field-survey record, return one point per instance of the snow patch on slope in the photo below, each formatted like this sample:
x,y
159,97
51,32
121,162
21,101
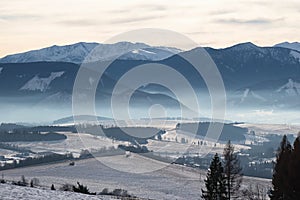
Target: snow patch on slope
x,y
107,52
41,84
151,53
291,88
246,92
1,68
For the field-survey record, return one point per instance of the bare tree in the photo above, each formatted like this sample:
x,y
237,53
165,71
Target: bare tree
x,y
232,170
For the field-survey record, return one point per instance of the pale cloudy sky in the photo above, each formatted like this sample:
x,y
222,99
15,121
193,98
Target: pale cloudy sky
x,y
33,24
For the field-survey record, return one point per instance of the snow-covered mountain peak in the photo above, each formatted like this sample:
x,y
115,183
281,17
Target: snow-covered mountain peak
x,y
288,45
80,52
244,46
67,53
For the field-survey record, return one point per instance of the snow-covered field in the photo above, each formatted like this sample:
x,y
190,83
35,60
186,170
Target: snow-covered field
x,y
170,182
172,145
141,176
12,192
263,129
73,144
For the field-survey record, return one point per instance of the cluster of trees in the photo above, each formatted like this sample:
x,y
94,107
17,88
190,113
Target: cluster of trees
x,y
14,147
49,129
134,135
229,131
223,178
134,149
38,160
286,177
260,169
80,188
24,135
104,151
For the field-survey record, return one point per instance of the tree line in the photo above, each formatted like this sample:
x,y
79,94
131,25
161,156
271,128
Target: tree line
x,y
25,135
224,178
53,157
286,176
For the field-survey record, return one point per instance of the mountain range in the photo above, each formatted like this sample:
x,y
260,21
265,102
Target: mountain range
x,y
254,77
76,53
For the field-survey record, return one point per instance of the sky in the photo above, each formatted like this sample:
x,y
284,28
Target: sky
x,y
34,24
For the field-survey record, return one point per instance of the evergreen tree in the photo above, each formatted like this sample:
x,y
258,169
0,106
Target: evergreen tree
x,y
232,170
280,181
294,173
215,181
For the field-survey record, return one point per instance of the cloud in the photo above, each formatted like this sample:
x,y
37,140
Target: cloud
x,y
14,17
77,22
133,19
221,12
140,7
201,32
152,7
257,21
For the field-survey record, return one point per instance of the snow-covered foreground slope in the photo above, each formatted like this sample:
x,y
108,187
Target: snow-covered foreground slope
x,y
12,192
171,182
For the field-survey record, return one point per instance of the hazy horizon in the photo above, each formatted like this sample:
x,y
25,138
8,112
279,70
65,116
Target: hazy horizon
x,y
34,24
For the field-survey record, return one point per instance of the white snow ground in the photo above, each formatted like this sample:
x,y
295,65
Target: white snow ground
x,y
12,192
264,129
171,182
73,144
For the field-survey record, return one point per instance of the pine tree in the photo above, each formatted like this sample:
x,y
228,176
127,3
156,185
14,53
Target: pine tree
x,y
280,181
215,181
232,170
294,173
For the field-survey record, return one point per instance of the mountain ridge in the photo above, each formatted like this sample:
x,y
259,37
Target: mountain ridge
x,y
289,45
78,52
